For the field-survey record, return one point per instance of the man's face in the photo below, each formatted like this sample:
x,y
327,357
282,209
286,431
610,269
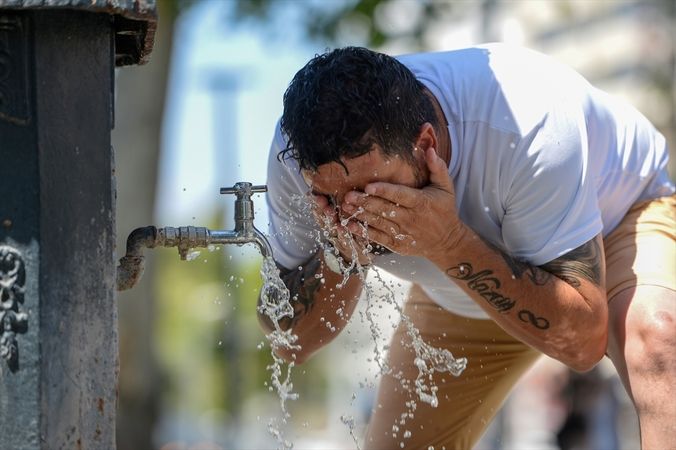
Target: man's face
x,y
331,180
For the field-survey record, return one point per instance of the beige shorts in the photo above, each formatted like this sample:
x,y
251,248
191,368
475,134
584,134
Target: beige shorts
x,y
641,250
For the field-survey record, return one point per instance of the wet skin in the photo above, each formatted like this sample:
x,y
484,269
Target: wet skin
x,y
331,183
570,326
338,191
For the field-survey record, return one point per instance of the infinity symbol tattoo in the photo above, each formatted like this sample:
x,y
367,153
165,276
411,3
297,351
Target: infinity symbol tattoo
x,y
537,322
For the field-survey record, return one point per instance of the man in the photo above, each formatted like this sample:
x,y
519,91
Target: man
x,y
532,212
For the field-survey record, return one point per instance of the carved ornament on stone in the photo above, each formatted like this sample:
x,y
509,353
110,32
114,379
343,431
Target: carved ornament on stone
x,y
12,319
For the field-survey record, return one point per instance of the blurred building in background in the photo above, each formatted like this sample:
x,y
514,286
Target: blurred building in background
x,y
192,375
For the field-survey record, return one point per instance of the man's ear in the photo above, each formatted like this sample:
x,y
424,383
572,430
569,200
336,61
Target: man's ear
x,y
427,137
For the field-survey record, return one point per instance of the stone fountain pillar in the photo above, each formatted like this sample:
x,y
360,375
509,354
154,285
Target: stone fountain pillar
x,y
58,319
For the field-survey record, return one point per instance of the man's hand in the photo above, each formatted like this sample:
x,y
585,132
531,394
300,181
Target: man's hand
x,y
422,222
352,244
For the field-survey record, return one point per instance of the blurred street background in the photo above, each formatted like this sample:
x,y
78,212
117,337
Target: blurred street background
x,y
201,115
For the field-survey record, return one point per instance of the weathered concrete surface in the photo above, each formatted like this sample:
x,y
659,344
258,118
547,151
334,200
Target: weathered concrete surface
x,y
56,210
134,22
135,9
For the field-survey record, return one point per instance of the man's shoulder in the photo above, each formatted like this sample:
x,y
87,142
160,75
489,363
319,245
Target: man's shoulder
x,y
463,57
481,55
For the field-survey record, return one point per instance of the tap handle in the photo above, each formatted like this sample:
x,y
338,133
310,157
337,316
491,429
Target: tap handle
x,y
244,189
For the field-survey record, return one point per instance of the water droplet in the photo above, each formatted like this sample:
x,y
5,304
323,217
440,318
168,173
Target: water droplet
x,y
191,256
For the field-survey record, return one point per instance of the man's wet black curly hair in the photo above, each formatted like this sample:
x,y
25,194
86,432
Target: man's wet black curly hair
x,y
344,101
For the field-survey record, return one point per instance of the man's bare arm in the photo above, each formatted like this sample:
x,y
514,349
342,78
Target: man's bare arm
x,y
302,285
584,263
559,307
321,308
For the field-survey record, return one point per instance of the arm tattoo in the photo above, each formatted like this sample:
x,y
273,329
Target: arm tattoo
x,y
484,283
537,322
487,285
538,276
583,262
302,285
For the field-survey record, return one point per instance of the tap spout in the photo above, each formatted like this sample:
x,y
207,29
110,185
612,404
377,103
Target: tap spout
x,y
241,237
263,245
132,264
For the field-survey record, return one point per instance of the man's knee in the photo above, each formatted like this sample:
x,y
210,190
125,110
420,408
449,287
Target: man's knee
x,y
650,327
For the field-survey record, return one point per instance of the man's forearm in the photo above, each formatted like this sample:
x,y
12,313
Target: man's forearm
x,y
562,315
321,308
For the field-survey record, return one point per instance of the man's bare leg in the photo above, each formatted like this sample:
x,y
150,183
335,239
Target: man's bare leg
x,y
642,345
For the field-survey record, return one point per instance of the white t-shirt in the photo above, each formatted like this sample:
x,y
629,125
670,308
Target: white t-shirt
x,y
541,162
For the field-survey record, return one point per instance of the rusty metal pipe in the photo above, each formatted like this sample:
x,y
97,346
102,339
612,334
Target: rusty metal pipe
x,y
132,265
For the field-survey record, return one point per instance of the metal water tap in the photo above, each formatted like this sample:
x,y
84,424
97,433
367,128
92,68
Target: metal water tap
x,y
131,265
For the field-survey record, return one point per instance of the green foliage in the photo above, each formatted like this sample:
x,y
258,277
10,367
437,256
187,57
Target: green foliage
x,y
170,9
207,332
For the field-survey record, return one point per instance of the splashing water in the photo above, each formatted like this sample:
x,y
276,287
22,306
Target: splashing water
x,y
428,359
193,255
275,305
349,422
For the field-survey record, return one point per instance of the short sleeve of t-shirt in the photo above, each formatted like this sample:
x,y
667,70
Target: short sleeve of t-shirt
x,y
551,207
292,230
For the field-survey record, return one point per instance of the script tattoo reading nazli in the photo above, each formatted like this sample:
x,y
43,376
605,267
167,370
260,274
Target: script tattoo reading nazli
x,y
483,283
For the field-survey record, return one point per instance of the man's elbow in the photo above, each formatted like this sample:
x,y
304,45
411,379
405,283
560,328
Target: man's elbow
x,y
590,341
584,357
584,363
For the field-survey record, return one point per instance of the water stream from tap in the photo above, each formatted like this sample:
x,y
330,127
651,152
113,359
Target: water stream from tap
x,y
276,306
428,359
